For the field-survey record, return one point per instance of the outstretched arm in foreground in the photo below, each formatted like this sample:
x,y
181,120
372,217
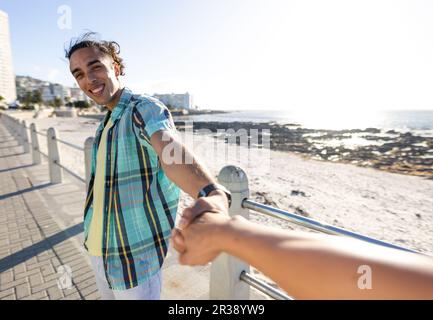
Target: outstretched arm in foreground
x,y
306,265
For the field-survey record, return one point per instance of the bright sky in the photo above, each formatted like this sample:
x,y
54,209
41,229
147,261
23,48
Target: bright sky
x,y
252,54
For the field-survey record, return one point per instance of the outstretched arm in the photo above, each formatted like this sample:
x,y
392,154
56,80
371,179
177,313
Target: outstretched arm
x,y
308,266
153,124
185,169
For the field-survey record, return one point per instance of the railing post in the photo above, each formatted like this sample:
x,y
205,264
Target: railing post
x,y
25,136
35,144
225,273
11,126
53,156
18,131
88,145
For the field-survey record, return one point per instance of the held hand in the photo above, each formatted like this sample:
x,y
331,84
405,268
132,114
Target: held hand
x,y
216,202
201,241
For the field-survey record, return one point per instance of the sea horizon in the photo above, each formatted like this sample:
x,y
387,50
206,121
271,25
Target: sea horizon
x,y
419,121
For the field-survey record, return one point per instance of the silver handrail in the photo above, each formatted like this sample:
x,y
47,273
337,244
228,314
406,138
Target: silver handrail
x,y
315,225
70,144
69,171
41,133
44,154
62,141
263,287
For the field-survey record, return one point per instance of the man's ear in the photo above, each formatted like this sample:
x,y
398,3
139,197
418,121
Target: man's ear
x,y
116,70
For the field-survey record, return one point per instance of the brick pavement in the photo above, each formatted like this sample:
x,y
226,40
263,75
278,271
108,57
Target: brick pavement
x,y
33,245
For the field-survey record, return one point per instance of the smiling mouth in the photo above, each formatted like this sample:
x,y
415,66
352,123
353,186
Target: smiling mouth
x,y
98,90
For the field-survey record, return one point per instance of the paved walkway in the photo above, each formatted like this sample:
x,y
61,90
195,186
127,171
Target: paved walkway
x,y
34,243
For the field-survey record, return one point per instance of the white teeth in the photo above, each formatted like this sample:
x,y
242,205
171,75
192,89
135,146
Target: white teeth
x,y
97,90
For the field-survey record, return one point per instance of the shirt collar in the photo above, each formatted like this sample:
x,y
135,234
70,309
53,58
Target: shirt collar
x,y
121,105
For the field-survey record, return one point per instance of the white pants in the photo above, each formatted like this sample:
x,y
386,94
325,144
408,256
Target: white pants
x,y
150,290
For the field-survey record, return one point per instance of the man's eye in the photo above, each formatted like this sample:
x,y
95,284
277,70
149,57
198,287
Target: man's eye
x,y
97,68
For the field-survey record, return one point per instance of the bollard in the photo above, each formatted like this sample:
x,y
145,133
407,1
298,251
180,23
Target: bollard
x,y
25,136
18,131
35,144
53,156
225,283
88,145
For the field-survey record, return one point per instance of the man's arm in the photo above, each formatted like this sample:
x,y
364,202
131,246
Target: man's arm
x,y
308,266
187,172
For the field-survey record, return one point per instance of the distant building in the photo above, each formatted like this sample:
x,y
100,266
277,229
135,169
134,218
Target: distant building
x,y
7,77
27,84
179,101
77,94
50,91
47,94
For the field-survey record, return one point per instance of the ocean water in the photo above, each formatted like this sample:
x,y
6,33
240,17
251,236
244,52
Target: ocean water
x,y
418,121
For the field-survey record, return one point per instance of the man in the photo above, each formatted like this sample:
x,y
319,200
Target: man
x,y
133,193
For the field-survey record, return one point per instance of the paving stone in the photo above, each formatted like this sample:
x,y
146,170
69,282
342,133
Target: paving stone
x,y
26,274
36,280
6,293
37,296
12,284
6,276
93,296
22,291
54,293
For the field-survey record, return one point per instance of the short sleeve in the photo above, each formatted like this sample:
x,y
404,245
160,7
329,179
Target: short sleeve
x,y
150,116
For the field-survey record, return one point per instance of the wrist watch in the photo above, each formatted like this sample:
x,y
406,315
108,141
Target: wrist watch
x,y
212,187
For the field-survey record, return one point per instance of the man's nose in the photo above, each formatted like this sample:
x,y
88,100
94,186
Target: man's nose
x,y
91,79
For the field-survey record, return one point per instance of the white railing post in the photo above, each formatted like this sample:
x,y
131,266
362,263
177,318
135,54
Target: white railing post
x,y
18,131
35,144
15,128
225,283
25,136
53,156
11,126
88,145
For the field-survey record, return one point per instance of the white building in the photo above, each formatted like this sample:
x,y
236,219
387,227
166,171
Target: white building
x,y
180,101
77,94
47,92
60,91
51,91
7,77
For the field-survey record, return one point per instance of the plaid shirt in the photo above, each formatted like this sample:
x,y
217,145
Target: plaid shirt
x,y
140,202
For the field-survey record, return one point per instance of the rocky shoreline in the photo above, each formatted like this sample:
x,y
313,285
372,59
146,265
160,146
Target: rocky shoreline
x,y
392,151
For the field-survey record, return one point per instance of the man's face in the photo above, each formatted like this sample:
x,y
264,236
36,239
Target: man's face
x,y
96,74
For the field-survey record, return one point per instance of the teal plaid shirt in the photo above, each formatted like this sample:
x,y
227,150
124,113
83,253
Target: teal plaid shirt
x,y
140,202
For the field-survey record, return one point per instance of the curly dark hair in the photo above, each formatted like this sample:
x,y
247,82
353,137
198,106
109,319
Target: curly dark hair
x,y
88,40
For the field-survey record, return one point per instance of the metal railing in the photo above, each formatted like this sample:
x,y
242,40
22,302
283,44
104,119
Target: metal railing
x,y
20,129
314,224
230,277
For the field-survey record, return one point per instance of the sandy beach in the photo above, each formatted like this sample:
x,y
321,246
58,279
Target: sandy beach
x,y
389,206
